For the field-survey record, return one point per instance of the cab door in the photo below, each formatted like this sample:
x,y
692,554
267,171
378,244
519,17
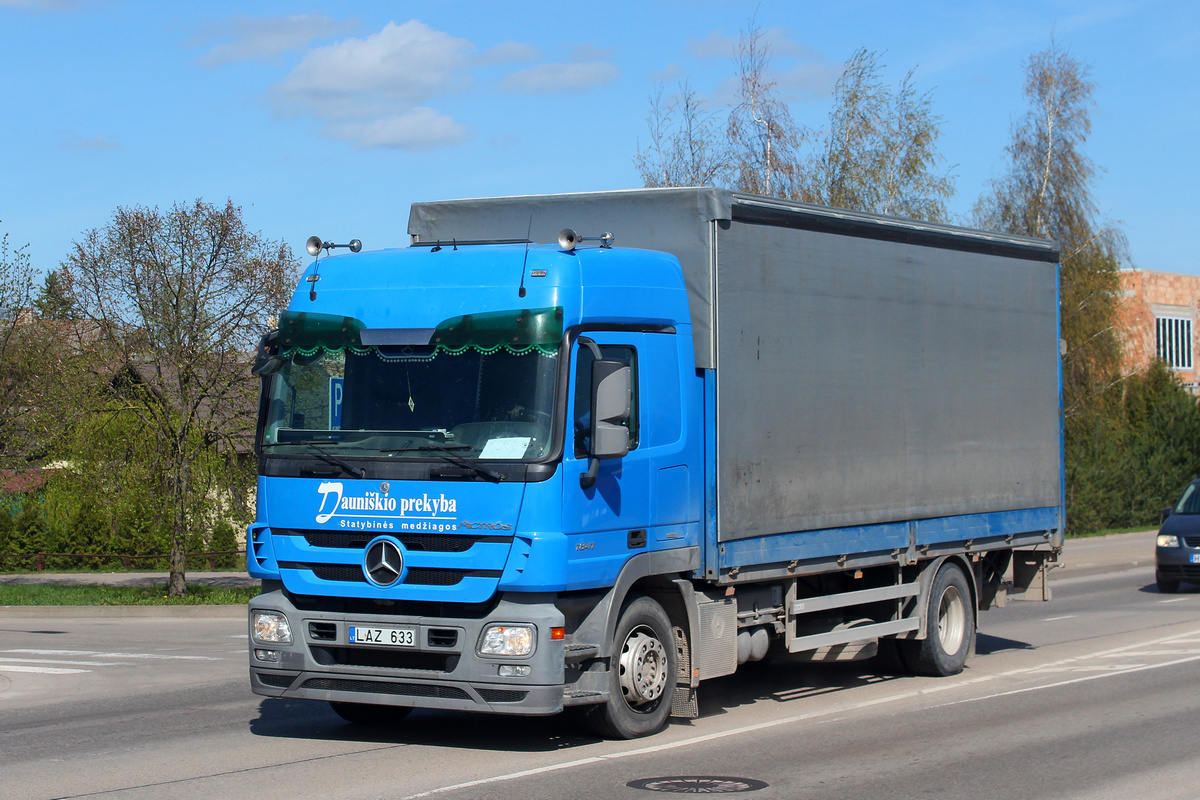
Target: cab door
x,y
607,521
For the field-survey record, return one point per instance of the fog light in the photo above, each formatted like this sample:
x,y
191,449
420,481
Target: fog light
x,y
266,655
270,627
506,640
515,670
1167,540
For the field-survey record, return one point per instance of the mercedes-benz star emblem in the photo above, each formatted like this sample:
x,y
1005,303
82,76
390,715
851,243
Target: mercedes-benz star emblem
x,y
384,562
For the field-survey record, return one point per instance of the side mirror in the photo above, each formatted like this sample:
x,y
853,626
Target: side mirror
x,y
1166,512
612,393
267,360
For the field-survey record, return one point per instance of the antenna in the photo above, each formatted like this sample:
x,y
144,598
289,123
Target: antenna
x,y
525,261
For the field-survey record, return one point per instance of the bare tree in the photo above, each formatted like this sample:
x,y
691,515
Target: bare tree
x,y
764,140
685,148
879,152
180,299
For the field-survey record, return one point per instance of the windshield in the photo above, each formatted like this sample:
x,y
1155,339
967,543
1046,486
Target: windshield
x,y
477,387
1190,502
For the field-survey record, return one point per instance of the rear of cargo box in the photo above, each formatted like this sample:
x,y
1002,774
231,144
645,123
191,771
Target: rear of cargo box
x,y
879,390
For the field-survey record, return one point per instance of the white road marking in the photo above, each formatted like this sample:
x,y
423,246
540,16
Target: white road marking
x,y
97,654
1182,651
1056,619
42,670
848,707
1173,600
65,663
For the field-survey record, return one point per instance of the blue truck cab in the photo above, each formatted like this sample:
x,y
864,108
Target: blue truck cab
x,y
511,477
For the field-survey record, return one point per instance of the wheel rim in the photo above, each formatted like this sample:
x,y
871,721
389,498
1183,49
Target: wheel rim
x,y
643,667
952,620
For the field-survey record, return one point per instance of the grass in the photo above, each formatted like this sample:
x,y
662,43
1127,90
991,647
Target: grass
x,y
93,595
1107,531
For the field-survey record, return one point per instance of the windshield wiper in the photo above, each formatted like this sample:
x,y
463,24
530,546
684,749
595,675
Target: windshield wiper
x,y
328,458
446,453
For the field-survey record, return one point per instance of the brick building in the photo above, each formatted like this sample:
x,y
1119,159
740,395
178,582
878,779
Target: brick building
x,y
1157,319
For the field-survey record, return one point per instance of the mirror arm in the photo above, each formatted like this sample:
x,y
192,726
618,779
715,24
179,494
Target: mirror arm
x,y
588,479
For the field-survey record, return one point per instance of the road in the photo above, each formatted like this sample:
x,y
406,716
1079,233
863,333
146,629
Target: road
x,y
1091,696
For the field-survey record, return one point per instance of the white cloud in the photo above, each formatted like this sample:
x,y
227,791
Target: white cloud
x,y
714,45
247,38
508,53
560,77
96,144
418,129
777,41
408,63
42,5
375,91
811,81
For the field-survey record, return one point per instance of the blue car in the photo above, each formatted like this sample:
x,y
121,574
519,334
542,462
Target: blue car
x,y
1177,549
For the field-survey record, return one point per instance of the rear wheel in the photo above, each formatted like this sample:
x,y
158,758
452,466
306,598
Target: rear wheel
x,y
950,626
641,675
368,714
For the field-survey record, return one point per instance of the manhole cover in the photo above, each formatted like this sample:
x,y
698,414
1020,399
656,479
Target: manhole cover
x,y
698,784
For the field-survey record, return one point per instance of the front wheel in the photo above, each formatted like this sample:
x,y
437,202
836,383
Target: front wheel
x,y
950,627
1165,585
641,675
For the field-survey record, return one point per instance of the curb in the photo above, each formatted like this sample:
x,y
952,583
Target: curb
x,y
1081,558
125,612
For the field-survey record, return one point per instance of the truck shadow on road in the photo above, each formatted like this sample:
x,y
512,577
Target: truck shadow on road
x,y
770,681
310,719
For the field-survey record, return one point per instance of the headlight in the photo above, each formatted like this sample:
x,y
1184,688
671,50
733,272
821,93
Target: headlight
x,y
506,640
270,626
1167,540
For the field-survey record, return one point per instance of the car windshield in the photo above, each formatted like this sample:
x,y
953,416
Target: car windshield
x,y
1190,502
478,387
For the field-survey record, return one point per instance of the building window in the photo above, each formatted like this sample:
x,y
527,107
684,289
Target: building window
x,y
1173,341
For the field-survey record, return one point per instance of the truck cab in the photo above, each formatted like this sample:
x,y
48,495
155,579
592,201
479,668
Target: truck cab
x,y
458,445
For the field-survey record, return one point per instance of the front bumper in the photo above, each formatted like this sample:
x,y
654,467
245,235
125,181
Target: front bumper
x,y
442,670
1178,563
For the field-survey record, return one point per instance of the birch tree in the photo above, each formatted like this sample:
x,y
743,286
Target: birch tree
x,y
879,151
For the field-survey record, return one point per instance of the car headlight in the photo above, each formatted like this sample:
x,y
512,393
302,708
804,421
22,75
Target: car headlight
x,y
506,640
270,627
1167,540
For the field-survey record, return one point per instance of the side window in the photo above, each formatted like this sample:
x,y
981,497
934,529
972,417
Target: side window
x,y
582,403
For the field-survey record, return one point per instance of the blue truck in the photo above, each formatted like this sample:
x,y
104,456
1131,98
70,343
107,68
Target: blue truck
x,y
693,428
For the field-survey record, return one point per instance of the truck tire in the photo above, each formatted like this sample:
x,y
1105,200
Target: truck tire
x,y
950,627
641,675
368,714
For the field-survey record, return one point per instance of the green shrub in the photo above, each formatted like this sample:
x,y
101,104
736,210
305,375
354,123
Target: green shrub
x,y
224,540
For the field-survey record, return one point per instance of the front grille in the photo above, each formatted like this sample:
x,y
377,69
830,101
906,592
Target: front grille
x,y
502,695
428,542
1183,572
324,631
1191,541
417,576
274,679
442,637
385,659
382,687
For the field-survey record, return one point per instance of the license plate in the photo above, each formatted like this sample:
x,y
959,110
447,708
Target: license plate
x,y
1196,558
390,637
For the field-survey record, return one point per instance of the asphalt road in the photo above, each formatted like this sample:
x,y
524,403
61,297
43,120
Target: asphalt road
x,y
1091,696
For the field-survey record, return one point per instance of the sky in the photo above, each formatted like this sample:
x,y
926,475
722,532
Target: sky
x,y
331,118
